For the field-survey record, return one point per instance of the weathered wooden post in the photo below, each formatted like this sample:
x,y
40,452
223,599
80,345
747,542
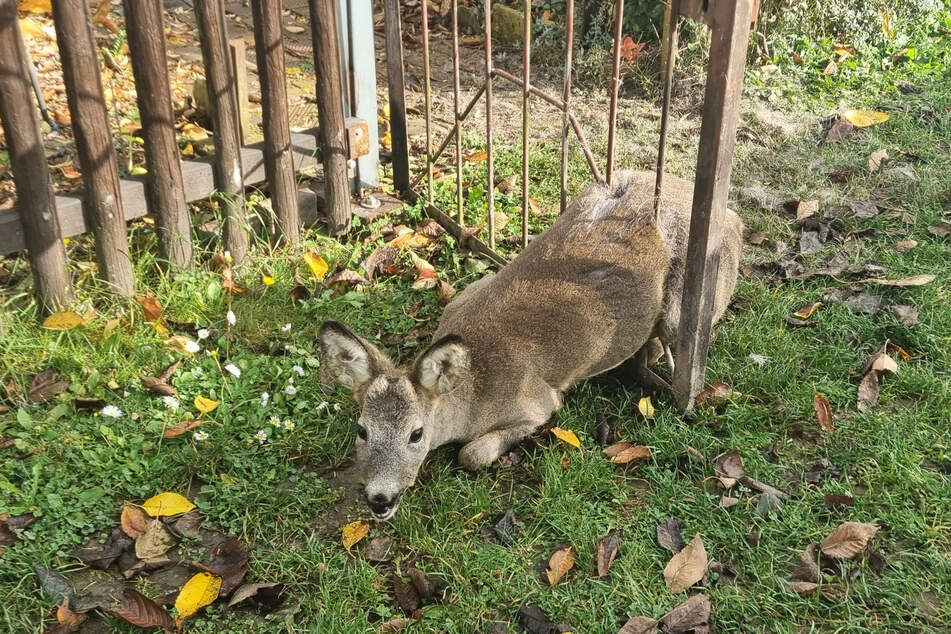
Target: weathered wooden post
x,y
222,95
239,62
35,200
102,203
399,141
730,26
164,188
333,129
278,158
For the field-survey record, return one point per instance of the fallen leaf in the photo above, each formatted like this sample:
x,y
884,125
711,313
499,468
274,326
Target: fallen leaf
x,y
427,586
566,436
831,68
535,621
690,614
151,307
268,595
102,556
507,528
155,541
625,452
823,412
11,525
316,264
864,118
396,623
716,395
378,549
182,426
882,362
686,567
639,625
142,611
607,551
906,245
157,386
446,292
411,239
808,567
167,504
64,320
229,560
876,160
729,466
835,500
560,562
45,386
802,588
839,130
181,344
476,157
915,280
806,208
868,391
132,521
426,275
346,277
848,540
354,532
645,407
430,228
406,596
806,311
67,620
768,503
728,501
940,229
87,404
205,405
380,260
294,29
668,535
907,315
199,591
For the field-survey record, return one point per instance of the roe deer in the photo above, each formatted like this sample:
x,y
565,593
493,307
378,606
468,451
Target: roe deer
x,y
582,298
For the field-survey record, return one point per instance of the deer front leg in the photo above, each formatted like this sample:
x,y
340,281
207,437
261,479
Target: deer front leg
x,y
488,448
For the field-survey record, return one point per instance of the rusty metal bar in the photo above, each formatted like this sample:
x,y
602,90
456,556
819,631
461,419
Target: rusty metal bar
x,y
429,107
569,51
730,23
558,103
615,84
490,168
668,57
455,106
399,142
527,78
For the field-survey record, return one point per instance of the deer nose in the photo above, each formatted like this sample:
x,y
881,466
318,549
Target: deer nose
x,y
381,503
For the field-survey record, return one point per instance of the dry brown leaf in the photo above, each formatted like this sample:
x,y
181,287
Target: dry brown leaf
x,y
344,278
133,521
154,541
686,567
868,391
823,412
561,561
806,311
689,615
182,426
446,292
915,280
906,245
607,551
808,567
628,454
940,229
876,160
142,611
848,540
840,130
806,208
716,395
151,307
802,588
639,625
883,362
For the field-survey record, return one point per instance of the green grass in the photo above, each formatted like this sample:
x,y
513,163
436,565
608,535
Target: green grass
x,y
75,470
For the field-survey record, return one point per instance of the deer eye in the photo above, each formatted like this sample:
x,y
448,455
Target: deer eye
x,y
417,435
362,432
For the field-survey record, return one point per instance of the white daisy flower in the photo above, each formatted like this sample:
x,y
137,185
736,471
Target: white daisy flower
x,y
298,369
336,407
274,420
290,390
265,397
289,425
170,402
200,435
261,436
286,327
111,411
203,333
192,347
233,369
231,318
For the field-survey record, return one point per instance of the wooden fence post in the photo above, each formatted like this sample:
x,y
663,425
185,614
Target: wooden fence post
x,y
730,25
164,186
239,62
278,158
397,94
21,128
333,129
222,95
102,203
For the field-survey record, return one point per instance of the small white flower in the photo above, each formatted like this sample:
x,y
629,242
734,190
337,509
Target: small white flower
x,y
111,411
289,425
336,407
298,369
192,347
290,390
170,402
231,318
286,327
261,436
200,435
323,405
274,420
203,333
265,397
290,380
233,369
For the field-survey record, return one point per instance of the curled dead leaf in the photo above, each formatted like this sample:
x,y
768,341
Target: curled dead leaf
x,y
823,412
848,540
686,567
561,561
607,551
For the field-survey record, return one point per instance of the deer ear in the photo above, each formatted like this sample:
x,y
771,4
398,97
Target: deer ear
x,y
443,366
347,357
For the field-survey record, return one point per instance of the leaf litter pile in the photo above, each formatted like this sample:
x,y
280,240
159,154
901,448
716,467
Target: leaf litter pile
x,y
162,541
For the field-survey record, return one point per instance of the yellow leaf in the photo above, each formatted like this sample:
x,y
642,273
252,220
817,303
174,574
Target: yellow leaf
x,y
268,280
161,329
864,118
561,562
188,150
806,311
476,157
354,532
199,591
886,25
194,132
182,344
645,407
566,436
205,405
317,265
64,320
35,6
167,504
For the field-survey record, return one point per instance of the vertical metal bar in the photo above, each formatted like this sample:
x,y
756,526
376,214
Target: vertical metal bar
x,y
730,24
569,51
397,95
490,168
668,57
362,59
615,84
455,105
526,77
429,106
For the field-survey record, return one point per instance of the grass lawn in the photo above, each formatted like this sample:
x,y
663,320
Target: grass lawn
x,y
76,469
